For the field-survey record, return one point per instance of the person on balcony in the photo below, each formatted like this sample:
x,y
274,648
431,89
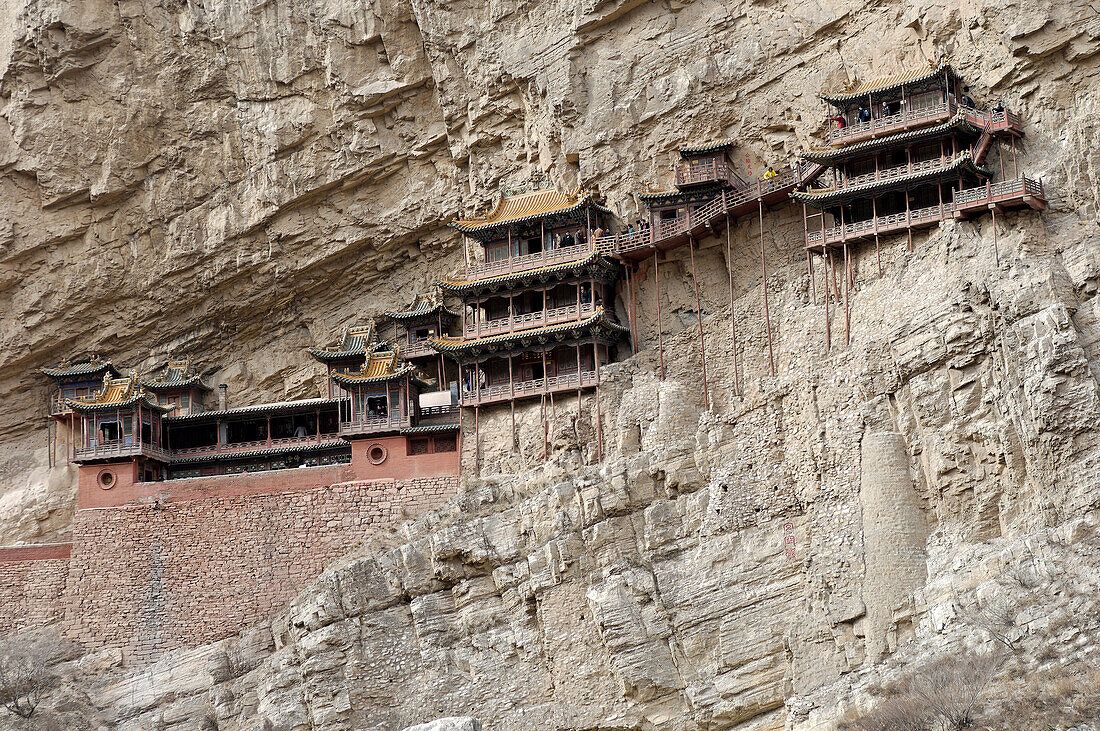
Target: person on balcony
x,y
841,122
597,233
967,100
582,237
864,114
885,110
300,431
770,173
567,240
999,107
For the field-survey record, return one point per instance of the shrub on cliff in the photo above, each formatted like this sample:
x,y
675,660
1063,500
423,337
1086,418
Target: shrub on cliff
x,y
23,680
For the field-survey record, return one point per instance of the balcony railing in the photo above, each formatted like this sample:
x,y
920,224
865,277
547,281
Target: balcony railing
x,y
694,172
530,319
113,448
438,413
416,349
534,387
854,131
370,424
970,199
903,170
57,406
232,447
526,262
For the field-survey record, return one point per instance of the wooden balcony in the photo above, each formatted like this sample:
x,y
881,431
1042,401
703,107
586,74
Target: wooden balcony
x,y
515,264
58,407
901,171
995,121
856,131
528,389
973,201
239,447
438,414
119,448
707,219
361,426
713,171
529,320
417,349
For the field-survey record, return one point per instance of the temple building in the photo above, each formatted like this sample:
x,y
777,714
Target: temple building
x,y
907,152
537,315
179,388
75,381
356,343
426,318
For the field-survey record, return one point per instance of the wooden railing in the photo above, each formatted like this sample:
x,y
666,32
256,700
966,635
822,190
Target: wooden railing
x,y
57,406
374,423
233,447
903,170
417,348
121,448
891,123
529,320
515,264
438,413
505,391
693,172
971,198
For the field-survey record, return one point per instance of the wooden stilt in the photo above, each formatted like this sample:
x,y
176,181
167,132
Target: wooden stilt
x,y
847,296
996,250
878,256
599,423
545,430
634,309
827,256
764,272
629,312
660,336
733,311
477,443
699,315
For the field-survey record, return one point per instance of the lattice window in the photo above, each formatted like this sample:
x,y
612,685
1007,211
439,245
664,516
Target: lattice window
x,y
446,444
420,446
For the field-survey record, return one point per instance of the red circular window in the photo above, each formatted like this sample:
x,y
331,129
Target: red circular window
x,y
376,453
106,479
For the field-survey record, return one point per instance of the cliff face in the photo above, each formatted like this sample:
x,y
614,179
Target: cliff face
x,y
236,181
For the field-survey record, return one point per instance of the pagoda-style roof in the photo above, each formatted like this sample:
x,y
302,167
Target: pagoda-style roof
x,y
116,393
177,374
593,260
597,324
528,206
91,367
836,154
860,89
423,307
356,342
380,367
701,148
824,196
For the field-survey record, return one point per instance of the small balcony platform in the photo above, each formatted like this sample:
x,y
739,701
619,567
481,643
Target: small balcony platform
x,y
564,382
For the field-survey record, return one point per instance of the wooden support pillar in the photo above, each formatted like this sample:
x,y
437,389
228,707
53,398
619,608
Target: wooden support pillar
x,y
1015,173
827,256
512,399
847,296
996,251
634,308
699,316
599,423
660,336
477,443
733,311
764,272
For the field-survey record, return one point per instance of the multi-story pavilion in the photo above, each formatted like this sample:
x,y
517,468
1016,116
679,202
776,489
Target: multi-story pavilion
x,y
75,381
536,317
356,343
427,317
906,152
909,151
179,388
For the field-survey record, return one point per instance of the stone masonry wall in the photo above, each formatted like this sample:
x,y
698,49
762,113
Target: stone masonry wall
x,y
32,580
155,577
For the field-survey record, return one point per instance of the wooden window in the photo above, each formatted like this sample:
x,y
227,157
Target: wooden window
x,y
448,443
419,446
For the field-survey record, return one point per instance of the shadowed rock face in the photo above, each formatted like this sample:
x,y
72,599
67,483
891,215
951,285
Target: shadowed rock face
x,y
236,181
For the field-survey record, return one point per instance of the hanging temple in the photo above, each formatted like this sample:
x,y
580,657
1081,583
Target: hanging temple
x,y
532,314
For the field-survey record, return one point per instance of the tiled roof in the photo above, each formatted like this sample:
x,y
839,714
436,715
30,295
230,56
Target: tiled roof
x,y
430,428
357,340
91,367
177,374
116,393
886,83
275,407
527,206
263,452
423,306
461,284
827,154
821,197
702,147
596,320
381,366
